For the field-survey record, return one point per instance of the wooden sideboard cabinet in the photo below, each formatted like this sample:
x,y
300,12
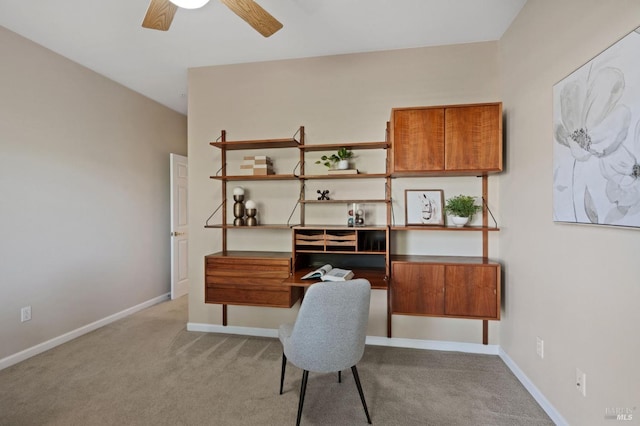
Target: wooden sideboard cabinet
x,y
455,139
462,287
249,278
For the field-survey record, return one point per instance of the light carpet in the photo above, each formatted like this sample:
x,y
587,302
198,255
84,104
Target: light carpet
x,y
147,369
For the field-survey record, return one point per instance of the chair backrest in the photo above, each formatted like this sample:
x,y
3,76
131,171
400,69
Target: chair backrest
x,y
330,331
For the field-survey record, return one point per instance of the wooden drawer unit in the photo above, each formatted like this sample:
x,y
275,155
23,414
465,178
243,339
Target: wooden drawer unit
x,y
467,289
249,278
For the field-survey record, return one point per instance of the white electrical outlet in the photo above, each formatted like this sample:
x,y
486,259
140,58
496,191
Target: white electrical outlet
x,y
25,314
540,347
581,382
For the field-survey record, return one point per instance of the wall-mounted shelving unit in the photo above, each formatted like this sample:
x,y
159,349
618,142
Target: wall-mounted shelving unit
x,y
453,140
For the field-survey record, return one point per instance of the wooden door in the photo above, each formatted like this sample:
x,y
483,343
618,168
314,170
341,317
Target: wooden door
x,y
473,138
471,291
418,288
418,140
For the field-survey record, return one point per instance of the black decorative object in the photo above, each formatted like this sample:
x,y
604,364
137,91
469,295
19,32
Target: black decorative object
x,y
324,195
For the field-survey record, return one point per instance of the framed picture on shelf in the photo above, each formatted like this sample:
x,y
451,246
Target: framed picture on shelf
x,y
424,207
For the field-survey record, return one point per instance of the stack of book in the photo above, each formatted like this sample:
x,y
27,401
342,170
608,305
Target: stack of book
x,y
256,165
343,172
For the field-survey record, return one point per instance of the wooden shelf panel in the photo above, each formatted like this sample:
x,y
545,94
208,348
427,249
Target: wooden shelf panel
x,y
356,176
342,227
449,260
375,276
350,145
265,226
443,228
257,144
254,177
368,252
252,254
370,201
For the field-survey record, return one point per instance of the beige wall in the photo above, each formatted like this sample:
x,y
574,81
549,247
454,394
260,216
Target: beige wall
x,y
84,184
577,287
346,98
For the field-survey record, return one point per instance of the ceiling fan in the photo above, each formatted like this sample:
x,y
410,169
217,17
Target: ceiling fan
x,y
160,14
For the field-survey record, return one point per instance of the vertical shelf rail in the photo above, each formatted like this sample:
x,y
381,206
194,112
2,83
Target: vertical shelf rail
x,y
223,160
302,172
387,196
485,245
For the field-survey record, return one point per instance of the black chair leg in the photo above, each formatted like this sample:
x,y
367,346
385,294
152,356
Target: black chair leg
x,y
284,366
364,403
303,389
339,376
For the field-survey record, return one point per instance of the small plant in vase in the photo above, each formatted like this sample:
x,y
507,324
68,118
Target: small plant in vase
x,y
339,160
461,208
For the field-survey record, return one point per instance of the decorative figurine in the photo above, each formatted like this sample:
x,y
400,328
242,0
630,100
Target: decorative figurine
x,y
238,206
324,195
251,213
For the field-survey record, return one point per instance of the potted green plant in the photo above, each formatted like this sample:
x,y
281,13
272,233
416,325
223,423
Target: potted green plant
x,y
339,160
461,208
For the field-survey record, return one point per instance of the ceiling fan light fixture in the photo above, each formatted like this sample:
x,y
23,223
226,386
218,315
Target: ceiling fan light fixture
x,y
189,4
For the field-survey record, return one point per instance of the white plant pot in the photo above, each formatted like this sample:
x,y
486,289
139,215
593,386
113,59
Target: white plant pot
x,y
342,165
458,221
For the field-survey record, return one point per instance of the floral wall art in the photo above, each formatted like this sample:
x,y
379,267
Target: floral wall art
x,y
596,123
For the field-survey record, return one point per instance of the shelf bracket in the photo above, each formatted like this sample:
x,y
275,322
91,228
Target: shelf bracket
x,y
223,203
300,131
490,213
297,204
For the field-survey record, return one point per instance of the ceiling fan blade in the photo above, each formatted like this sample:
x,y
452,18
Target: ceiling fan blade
x,y
254,15
159,15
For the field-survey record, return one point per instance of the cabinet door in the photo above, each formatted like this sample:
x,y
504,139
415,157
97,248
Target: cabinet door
x,y
473,138
472,291
418,288
418,140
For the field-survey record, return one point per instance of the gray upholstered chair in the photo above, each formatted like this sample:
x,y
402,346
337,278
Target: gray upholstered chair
x,y
329,333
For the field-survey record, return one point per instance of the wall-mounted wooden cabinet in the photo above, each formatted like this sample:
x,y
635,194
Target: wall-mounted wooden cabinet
x,y
455,139
446,286
249,278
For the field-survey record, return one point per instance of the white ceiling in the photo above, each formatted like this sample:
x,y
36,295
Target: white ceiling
x,y
106,35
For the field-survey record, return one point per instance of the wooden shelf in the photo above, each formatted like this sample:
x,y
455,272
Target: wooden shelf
x,y
342,227
450,260
355,176
350,145
366,253
257,144
255,177
371,201
265,226
443,228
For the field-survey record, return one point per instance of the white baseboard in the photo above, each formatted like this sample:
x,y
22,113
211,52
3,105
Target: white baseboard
x,y
556,417
435,345
56,341
230,329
